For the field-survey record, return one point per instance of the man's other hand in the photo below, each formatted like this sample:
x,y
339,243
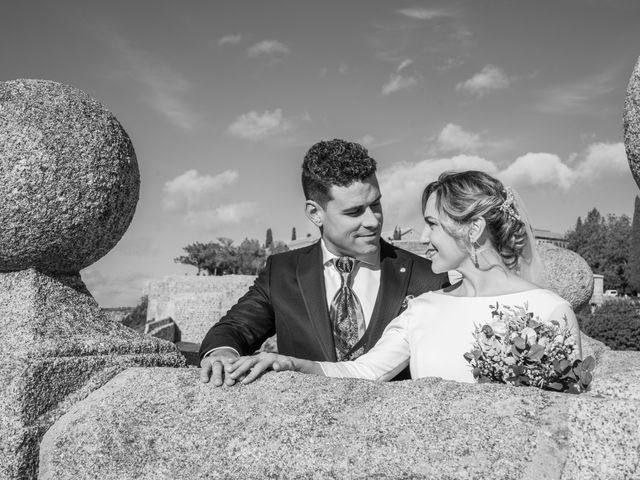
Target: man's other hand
x,y
213,367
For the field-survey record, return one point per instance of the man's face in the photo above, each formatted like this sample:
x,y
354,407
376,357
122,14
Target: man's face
x,y
351,221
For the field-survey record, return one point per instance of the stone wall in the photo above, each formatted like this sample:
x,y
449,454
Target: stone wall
x,y
157,423
194,303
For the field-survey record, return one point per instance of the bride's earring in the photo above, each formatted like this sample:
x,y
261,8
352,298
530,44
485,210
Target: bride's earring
x,y
474,253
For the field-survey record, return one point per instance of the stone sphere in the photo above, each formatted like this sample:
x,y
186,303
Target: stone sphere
x,y
69,180
568,274
632,123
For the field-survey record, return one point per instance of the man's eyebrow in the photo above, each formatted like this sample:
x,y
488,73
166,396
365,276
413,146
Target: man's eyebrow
x,y
356,207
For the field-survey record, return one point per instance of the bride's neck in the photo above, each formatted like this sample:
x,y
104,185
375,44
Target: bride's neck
x,y
480,283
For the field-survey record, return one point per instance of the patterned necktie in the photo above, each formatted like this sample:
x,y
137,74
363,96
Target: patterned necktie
x,y
346,313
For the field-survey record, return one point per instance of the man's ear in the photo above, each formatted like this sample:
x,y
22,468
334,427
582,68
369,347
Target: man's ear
x,y
476,229
314,212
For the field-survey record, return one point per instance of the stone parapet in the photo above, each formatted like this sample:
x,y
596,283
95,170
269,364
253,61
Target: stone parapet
x,y
160,423
194,303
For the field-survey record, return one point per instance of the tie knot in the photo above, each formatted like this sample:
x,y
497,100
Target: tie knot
x,y
345,264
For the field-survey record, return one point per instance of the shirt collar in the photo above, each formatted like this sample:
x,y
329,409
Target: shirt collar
x,y
372,260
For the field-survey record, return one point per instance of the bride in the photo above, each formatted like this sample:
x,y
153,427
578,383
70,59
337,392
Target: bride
x,y
476,226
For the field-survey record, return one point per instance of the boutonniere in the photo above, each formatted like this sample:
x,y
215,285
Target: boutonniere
x,y
405,302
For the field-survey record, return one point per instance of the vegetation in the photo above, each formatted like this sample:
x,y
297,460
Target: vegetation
x,y
605,244
634,249
616,324
137,318
269,240
221,257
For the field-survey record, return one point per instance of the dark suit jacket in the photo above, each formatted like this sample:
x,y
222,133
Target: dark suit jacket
x,y
288,298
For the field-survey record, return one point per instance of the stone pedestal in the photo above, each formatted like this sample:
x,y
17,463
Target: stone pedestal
x,y
56,346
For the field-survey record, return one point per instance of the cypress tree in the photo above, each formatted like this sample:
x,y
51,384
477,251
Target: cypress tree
x,y
634,250
269,240
293,234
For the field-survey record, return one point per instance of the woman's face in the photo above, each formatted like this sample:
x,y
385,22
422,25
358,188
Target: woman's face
x,y
445,252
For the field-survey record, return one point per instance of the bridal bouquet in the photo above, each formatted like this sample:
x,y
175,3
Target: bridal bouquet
x,y
517,348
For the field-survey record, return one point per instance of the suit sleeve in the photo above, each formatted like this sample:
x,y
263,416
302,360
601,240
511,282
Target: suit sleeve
x,y
248,323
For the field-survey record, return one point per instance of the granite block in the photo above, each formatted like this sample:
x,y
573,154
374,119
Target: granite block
x,y
163,424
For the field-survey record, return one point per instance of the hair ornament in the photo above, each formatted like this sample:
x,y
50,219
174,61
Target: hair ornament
x,y
507,204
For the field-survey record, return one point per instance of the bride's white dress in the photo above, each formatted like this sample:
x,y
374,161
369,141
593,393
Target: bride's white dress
x,y
435,331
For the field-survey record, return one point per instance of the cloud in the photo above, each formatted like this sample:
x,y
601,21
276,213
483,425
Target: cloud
x,y
453,138
598,160
602,159
225,214
578,97
198,198
192,191
163,88
402,183
268,47
253,126
366,140
397,81
424,13
486,81
230,39
539,169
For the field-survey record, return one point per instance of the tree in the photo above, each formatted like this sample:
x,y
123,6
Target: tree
x,y
293,234
269,240
604,244
251,257
277,247
227,258
211,258
203,256
634,249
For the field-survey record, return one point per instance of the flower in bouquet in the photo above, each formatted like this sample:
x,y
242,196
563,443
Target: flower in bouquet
x,y
516,347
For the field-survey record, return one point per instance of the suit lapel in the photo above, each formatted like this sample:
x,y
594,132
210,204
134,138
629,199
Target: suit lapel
x,y
310,277
394,277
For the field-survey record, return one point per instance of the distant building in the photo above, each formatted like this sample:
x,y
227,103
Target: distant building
x,y
546,236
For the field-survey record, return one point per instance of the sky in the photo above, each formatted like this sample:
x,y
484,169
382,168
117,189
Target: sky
x,y
223,99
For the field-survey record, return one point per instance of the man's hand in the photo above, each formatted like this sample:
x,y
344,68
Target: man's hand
x,y
247,369
214,367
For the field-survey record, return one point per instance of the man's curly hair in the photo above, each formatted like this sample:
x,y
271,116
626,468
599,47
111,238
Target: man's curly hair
x,y
334,162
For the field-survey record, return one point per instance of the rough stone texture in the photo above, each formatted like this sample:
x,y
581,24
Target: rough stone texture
x,y
194,303
632,123
568,274
69,178
290,425
56,346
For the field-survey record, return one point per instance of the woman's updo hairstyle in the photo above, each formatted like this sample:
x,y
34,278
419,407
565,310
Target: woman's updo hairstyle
x,y
465,196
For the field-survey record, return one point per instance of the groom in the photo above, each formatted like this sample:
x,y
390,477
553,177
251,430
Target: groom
x,y
333,299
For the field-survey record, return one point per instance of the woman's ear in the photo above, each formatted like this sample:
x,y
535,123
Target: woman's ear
x,y
314,212
476,229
